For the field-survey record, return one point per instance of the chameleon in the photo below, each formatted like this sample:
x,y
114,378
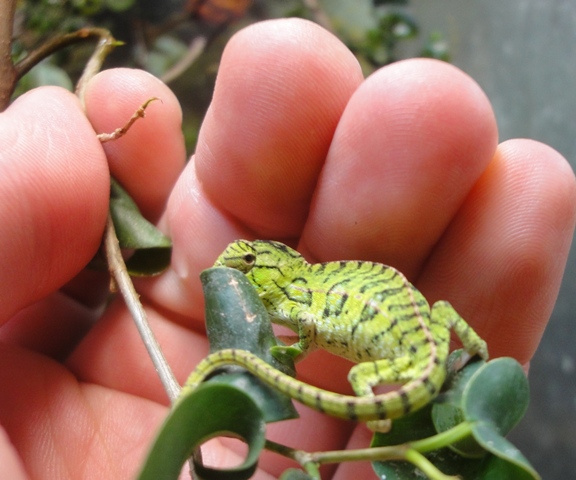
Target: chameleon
x,y
364,311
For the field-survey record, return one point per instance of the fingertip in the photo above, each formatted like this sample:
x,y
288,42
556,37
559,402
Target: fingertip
x,y
281,88
149,157
414,138
502,259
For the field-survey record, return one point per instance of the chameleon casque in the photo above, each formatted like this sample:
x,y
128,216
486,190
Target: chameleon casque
x,y
366,312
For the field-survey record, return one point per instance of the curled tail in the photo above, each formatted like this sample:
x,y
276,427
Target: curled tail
x,y
408,398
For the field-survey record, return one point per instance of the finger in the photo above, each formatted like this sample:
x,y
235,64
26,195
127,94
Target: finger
x,y
113,354
53,420
10,463
411,143
149,158
54,188
275,107
261,146
501,260
52,326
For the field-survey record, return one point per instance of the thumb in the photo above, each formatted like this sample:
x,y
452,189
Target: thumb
x,y
54,188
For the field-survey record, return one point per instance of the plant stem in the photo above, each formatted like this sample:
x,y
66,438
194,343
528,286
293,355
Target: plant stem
x,y
441,440
121,131
411,452
424,465
195,49
8,75
118,271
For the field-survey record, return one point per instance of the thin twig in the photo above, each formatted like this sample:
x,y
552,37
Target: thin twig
x,y
59,42
118,271
121,131
8,75
195,49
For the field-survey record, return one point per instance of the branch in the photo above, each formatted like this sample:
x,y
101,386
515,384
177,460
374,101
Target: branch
x,y
195,49
118,271
8,75
105,45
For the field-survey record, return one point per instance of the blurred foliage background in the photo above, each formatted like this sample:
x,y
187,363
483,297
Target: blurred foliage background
x,y
181,41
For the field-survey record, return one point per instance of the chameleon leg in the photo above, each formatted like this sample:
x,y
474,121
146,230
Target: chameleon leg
x,y
366,375
472,343
306,339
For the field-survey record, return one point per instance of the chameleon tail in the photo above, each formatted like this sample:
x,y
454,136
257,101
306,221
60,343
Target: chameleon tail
x,y
410,397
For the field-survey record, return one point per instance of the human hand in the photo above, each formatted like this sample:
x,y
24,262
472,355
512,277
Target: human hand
x,y
401,168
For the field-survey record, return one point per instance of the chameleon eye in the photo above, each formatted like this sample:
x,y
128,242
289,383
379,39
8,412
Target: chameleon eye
x,y
249,259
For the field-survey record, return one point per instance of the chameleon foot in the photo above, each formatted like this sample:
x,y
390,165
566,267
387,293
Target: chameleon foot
x,y
380,426
280,353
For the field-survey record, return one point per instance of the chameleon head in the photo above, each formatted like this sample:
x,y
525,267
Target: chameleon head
x,y
240,255
262,260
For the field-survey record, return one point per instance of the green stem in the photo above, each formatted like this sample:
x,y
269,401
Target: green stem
x,y
411,452
300,456
424,465
444,439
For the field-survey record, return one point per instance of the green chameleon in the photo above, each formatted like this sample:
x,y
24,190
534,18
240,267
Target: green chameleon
x,y
363,311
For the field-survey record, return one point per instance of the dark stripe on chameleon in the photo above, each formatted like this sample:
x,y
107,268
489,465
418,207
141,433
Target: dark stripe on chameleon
x,y
268,267
367,314
319,402
277,380
299,394
319,268
381,409
351,410
410,316
432,389
279,246
406,407
307,302
408,306
335,310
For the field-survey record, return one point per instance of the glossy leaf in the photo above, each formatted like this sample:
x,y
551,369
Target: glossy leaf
x,y
492,397
236,318
295,474
210,411
495,393
152,249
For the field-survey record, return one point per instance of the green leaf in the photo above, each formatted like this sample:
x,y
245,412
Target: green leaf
x,y
295,474
152,248
210,411
492,397
498,394
415,426
236,318
507,458
495,392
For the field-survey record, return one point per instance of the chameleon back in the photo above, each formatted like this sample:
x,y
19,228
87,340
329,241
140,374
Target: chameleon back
x,y
362,311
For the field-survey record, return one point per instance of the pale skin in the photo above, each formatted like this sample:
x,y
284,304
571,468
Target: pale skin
x,y
412,176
